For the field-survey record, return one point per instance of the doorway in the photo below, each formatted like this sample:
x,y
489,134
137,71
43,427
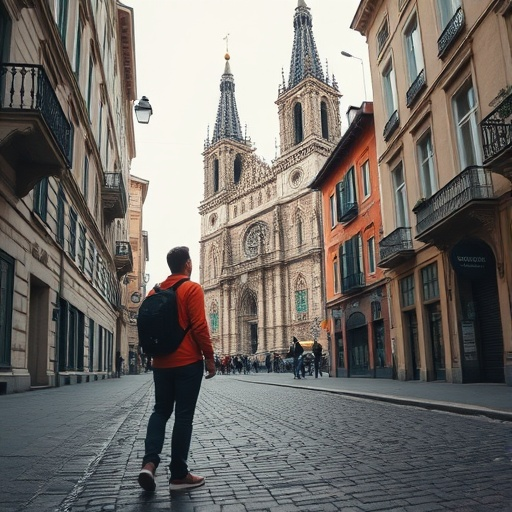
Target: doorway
x,y
37,357
481,335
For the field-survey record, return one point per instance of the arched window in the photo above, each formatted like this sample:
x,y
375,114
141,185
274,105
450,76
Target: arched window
x,y
214,317
300,233
297,120
237,169
301,298
323,118
216,175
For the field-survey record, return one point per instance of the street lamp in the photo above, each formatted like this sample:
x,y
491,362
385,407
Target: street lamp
x,y
346,54
143,110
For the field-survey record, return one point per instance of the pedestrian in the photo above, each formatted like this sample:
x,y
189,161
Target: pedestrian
x,y
297,358
268,363
119,364
177,380
317,352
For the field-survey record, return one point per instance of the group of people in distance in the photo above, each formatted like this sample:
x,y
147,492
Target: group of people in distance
x,y
297,352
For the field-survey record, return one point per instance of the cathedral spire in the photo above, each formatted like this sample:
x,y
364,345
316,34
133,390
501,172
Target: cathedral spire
x,y
227,124
305,60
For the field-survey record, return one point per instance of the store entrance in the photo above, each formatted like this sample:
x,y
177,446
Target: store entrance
x,y
481,333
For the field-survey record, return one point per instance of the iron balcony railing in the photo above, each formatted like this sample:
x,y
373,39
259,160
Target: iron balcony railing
x,y
474,183
497,130
450,33
397,241
415,88
25,87
353,281
391,125
114,192
123,249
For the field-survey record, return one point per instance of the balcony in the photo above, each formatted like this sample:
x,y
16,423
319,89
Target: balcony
x,y
497,138
123,258
446,212
416,87
353,282
396,248
113,195
391,125
450,33
348,212
31,118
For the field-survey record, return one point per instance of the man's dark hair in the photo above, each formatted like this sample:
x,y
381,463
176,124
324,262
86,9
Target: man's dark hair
x,y
177,259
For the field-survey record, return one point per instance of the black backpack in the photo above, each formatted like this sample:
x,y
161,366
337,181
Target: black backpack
x,y
157,323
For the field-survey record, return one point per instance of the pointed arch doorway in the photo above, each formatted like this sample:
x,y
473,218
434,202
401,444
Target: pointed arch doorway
x,y
248,324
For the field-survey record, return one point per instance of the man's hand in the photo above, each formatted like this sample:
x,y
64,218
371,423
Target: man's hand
x,y
210,368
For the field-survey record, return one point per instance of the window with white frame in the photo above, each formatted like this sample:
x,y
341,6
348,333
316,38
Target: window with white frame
x,y
365,179
400,196
413,51
426,165
332,207
389,89
447,10
371,255
465,114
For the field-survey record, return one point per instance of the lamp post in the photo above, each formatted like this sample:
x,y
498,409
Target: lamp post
x,y
346,54
143,110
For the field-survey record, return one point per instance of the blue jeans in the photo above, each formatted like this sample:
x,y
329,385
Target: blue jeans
x,y
298,367
176,389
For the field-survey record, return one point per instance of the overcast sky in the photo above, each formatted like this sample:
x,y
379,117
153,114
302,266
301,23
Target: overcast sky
x,y
180,47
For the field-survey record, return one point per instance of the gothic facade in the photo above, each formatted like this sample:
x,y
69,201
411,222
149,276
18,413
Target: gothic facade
x,y
261,226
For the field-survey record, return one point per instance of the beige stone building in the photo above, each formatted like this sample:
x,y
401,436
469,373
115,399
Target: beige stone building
x,y
66,145
137,279
442,77
261,235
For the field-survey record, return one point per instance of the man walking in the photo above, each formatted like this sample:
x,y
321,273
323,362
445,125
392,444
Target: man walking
x,y
298,350
317,352
177,378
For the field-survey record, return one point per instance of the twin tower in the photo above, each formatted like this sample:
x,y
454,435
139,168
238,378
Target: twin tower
x,y
261,226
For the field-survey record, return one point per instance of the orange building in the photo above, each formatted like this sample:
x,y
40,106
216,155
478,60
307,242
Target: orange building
x,y
355,287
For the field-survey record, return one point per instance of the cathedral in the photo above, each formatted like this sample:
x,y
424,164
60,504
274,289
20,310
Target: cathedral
x,y
261,226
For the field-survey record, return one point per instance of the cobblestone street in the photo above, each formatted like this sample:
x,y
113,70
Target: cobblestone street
x,y
261,448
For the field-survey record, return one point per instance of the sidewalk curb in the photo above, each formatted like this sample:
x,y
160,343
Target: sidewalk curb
x,y
457,408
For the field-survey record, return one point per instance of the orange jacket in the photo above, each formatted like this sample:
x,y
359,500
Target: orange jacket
x,y
191,311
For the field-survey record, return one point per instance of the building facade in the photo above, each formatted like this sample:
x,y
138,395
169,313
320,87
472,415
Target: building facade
x,y
137,279
66,144
261,235
355,287
442,75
